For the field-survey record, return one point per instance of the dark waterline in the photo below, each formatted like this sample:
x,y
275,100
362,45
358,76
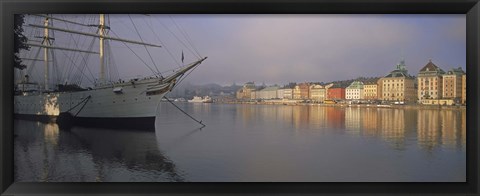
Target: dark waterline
x,y
253,143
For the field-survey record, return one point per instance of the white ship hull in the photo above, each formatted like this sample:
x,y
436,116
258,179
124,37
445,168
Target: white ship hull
x,y
135,102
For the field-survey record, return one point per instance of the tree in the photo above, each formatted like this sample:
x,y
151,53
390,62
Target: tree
x,y
19,40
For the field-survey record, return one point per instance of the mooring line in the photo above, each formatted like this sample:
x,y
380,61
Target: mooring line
x,y
86,99
200,122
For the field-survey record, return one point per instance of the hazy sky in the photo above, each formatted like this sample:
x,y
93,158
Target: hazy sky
x,y
283,48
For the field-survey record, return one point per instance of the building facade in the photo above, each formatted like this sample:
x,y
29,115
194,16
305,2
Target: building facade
x,y
464,89
253,95
336,93
398,85
370,90
452,84
317,93
288,93
280,93
301,91
246,91
354,91
268,93
430,82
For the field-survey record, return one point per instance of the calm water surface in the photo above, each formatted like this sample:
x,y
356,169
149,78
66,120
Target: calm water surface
x,y
253,143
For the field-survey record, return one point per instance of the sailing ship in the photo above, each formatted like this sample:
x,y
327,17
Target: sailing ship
x,y
124,103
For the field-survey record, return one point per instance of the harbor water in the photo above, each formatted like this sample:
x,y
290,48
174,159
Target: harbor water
x,y
252,143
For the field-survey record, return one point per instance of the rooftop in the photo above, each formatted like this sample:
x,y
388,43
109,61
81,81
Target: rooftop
x,y
270,88
400,71
456,71
430,67
356,85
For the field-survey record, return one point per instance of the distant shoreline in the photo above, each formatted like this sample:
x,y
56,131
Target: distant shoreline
x,y
393,106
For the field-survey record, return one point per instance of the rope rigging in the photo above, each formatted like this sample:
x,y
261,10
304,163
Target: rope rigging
x,y
200,122
178,39
187,37
153,71
75,65
138,33
162,43
76,55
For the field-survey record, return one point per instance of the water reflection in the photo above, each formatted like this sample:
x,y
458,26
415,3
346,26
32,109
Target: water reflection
x,y
314,143
45,153
428,127
352,121
253,143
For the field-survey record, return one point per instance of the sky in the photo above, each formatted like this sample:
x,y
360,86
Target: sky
x,y
277,49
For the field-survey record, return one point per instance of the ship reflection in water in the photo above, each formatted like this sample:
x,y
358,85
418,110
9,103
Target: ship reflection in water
x,y
254,143
45,153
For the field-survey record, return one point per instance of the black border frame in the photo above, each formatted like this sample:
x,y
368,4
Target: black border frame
x,y
10,7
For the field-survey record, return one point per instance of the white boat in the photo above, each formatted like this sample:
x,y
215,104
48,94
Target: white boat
x,y
180,100
126,104
197,99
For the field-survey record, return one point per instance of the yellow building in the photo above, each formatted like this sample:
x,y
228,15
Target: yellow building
x,y
430,83
398,85
301,91
452,84
317,93
464,89
370,90
246,91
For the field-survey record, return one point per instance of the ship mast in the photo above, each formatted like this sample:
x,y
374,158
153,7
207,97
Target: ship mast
x,y
46,43
102,32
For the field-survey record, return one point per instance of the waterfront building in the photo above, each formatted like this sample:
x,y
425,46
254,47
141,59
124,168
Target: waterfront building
x,y
301,91
464,89
280,93
370,90
246,90
380,89
267,93
452,84
336,93
430,83
398,85
288,93
317,93
354,91
253,95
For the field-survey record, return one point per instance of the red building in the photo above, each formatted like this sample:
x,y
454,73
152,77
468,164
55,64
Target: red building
x,y
336,93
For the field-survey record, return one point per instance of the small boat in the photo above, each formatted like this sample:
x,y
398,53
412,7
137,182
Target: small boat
x,y
197,99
